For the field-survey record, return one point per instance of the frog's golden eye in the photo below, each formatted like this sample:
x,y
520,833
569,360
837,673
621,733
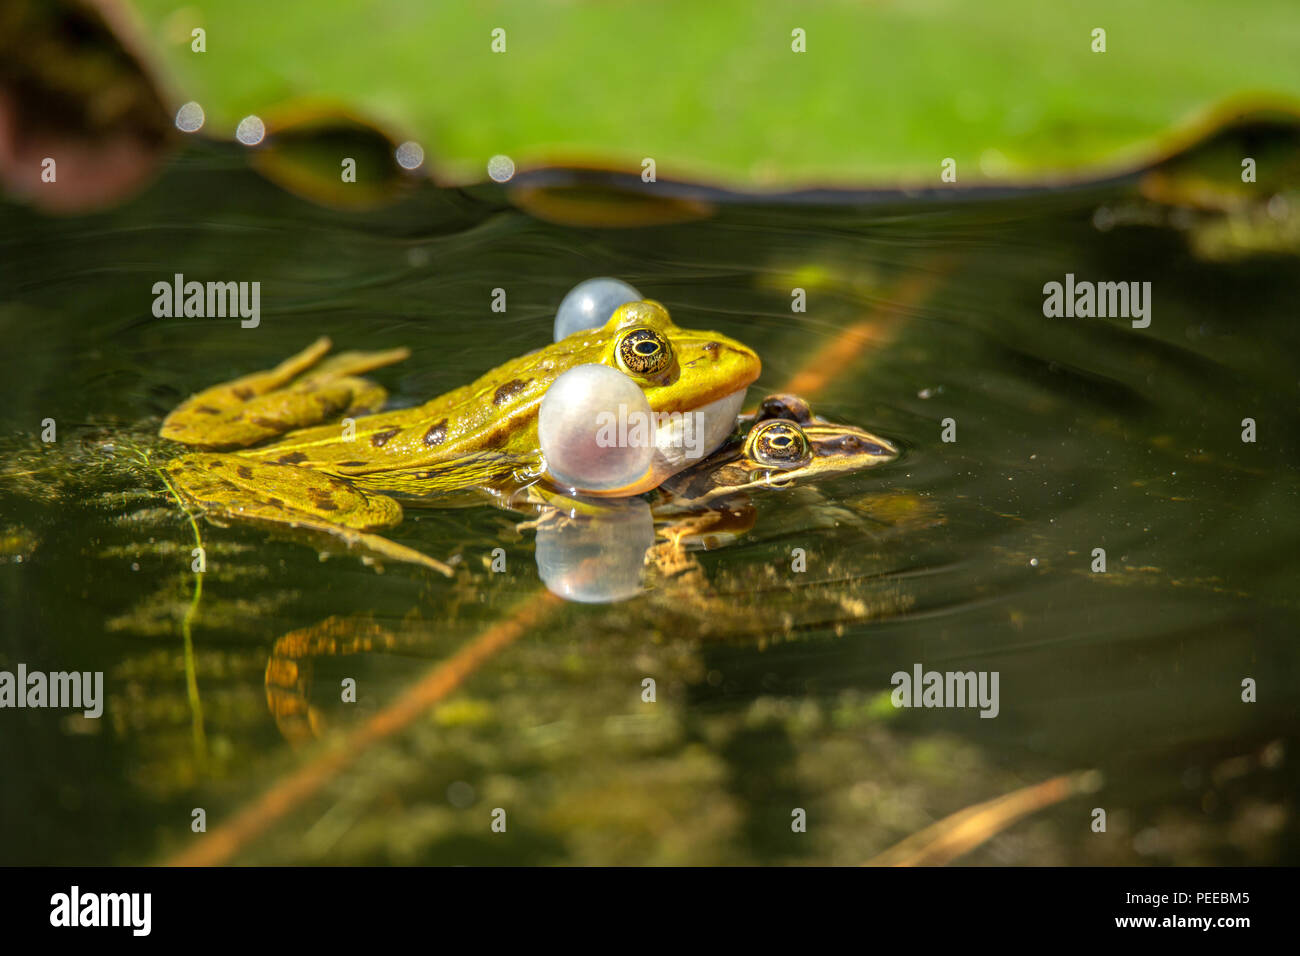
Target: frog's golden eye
x,y
781,444
644,352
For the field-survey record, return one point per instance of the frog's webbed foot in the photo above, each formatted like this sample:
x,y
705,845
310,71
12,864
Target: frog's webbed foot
x,y
231,488
686,530
299,392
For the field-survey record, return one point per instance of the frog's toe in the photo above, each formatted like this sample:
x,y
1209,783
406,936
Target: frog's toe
x,y
347,364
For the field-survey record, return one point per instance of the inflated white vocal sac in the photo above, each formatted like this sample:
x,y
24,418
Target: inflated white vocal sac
x,y
596,429
589,305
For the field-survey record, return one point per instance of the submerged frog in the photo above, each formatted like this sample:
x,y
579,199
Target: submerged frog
x,y
780,446
482,436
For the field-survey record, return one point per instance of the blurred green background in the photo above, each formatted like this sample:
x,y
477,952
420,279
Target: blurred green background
x,y
713,91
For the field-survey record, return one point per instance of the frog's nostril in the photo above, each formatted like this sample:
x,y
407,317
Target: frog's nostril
x,y
711,348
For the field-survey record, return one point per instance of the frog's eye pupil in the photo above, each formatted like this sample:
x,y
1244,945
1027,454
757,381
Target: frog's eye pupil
x,y
646,348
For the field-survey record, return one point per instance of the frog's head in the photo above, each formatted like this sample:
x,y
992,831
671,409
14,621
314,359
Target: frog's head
x,y
679,369
782,444
787,443
694,381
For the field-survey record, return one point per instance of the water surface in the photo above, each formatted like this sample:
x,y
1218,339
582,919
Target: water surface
x,y
772,686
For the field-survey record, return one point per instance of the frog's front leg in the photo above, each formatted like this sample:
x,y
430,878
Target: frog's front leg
x,y
242,489
297,393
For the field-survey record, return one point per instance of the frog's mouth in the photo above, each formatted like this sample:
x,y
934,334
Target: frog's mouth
x,y
684,438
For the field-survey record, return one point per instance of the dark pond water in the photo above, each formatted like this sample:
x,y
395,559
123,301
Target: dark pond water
x,y
1071,434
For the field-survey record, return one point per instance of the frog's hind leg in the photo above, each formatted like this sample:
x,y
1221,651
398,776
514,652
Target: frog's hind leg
x,y
283,496
299,392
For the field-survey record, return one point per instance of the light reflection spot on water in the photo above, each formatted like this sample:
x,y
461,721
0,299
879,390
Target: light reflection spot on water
x,y
461,795
190,117
250,131
410,155
501,168
994,164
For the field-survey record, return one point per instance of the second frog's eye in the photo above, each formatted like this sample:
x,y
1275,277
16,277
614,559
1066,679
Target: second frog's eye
x,y
643,352
779,443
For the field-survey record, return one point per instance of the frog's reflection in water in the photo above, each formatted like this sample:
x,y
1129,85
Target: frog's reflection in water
x,y
587,551
597,556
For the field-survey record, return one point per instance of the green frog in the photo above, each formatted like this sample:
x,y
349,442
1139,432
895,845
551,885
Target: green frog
x,y
269,458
